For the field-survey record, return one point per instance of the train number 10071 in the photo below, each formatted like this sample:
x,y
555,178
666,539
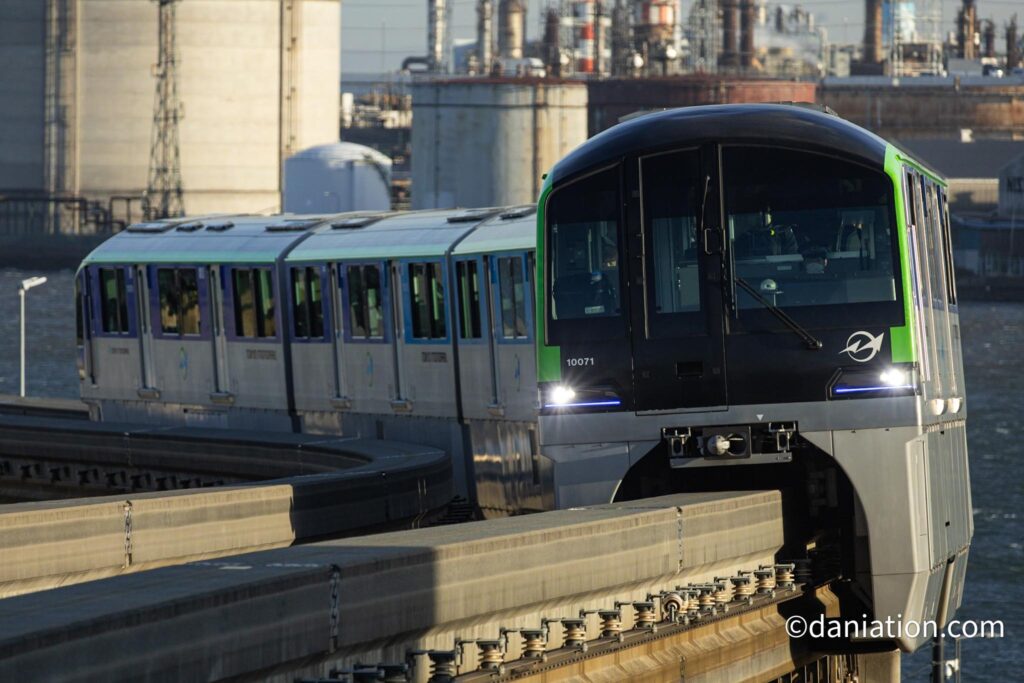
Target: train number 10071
x,y
579,362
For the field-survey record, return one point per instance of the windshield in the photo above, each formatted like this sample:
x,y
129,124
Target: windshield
x,y
808,229
584,248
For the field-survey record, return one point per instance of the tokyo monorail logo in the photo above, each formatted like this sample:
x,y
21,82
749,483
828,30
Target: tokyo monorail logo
x,y
863,346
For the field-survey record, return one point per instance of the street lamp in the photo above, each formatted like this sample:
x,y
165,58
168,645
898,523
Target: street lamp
x,y
25,286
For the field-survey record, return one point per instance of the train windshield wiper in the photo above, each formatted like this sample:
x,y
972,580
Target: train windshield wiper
x,y
809,339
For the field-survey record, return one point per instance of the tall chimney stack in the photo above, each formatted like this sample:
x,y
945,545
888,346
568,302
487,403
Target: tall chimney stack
x,y
1012,47
511,28
746,33
967,26
989,38
873,31
484,34
552,42
729,47
437,26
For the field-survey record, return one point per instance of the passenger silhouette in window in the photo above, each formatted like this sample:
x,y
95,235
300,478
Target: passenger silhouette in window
x,y
770,238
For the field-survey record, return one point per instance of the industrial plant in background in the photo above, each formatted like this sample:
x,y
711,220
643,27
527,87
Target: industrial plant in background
x,y
644,38
629,38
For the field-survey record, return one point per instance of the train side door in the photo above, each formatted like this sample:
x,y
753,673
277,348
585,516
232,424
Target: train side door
x,y
84,325
145,328
398,337
511,339
472,316
220,340
337,331
677,277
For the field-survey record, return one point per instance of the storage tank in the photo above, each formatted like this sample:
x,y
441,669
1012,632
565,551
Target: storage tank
x,y
341,176
257,80
488,142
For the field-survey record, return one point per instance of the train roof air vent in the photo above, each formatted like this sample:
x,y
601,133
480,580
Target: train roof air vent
x,y
354,222
519,212
150,227
189,227
472,215
220,227
293,225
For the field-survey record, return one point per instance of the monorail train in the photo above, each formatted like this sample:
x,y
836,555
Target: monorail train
x,y
711,298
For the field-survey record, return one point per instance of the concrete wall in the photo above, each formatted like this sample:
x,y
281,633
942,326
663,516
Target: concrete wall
x,y
488,142
922,107
973,194
22,72
611,99
241,108
320,606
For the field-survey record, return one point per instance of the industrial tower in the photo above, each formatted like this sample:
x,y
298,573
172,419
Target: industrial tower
x,y
163,191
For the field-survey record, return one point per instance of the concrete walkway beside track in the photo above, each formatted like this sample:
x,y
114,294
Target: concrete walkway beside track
x,y
361,485
303,610
37,405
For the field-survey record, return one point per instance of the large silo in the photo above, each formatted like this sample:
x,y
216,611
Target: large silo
x,y
488,142
257,80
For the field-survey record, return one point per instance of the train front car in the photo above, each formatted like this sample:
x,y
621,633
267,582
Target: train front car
x,y
762,296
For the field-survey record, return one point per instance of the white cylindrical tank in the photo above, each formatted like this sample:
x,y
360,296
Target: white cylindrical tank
x,y
258,80
341,176
488,142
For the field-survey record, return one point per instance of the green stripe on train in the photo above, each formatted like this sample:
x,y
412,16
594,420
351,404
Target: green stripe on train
x,y
549,358
901,338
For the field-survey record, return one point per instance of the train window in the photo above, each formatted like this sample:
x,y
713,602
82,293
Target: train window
x,y
947,244
113,301
583,249
467,273
512,291
936,247
365,302
808,229
307,303
426,295
920,267
672,190
254,303
179,300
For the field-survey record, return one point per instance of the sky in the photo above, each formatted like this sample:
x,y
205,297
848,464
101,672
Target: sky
x,y
376,35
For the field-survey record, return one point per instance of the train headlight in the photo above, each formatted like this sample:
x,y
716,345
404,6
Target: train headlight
x,y
894,377
561,395
865,382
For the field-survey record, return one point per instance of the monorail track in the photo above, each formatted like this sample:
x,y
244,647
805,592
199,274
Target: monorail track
x,y
686,632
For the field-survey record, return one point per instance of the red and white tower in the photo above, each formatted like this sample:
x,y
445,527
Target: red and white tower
x,y
585,32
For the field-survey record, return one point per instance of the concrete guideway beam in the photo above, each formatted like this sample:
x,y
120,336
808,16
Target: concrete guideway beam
x,y
746,644
48,544
306,609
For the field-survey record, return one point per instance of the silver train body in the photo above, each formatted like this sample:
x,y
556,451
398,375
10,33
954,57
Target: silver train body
x,y
341,324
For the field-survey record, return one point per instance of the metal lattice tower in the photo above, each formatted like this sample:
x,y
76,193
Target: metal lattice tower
x,y
60,129
163,190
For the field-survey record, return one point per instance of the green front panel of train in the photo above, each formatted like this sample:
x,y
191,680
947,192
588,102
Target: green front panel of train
x,y
549,358
902,337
